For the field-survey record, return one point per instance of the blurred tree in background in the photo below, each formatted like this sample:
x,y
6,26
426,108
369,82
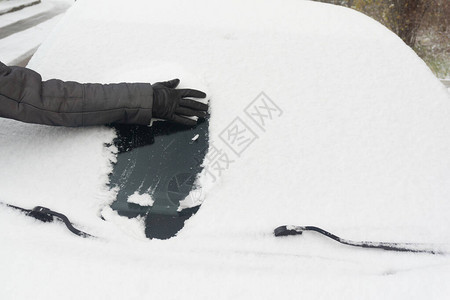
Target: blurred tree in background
x,y
421,24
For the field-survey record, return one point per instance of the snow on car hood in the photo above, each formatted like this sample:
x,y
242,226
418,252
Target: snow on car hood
x,y
320,116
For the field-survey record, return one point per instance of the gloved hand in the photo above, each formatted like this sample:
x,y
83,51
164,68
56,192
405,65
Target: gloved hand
x,y
170,104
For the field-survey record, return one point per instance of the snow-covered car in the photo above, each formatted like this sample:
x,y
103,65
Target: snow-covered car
x,y
320,116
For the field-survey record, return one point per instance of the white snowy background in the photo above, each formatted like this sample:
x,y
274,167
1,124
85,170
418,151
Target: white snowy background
x,y
361,149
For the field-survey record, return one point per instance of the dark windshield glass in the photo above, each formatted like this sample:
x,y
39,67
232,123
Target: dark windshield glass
x,y
162,161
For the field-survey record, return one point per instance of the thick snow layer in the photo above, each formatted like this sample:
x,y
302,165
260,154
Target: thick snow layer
x,y
357,143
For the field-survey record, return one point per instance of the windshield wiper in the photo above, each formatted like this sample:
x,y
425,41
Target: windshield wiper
x,y
401,247
47,215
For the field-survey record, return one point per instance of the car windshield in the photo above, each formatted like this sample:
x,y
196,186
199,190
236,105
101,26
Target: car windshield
x,y
157,168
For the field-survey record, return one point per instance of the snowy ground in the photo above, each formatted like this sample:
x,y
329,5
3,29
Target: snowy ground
x,y
357,143
11,6
17,47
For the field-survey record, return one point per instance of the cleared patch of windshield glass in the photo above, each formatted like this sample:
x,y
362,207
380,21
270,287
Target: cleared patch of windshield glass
x,y
156,168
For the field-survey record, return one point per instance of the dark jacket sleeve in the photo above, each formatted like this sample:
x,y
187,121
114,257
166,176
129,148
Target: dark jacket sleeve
x,y
25,97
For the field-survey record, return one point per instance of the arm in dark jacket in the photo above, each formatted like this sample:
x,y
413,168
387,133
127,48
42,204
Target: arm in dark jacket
x,y
25,97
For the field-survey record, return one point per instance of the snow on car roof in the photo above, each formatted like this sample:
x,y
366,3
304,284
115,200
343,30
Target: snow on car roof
x,y
319,116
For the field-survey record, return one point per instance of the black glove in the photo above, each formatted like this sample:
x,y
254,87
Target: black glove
x,y
170,104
